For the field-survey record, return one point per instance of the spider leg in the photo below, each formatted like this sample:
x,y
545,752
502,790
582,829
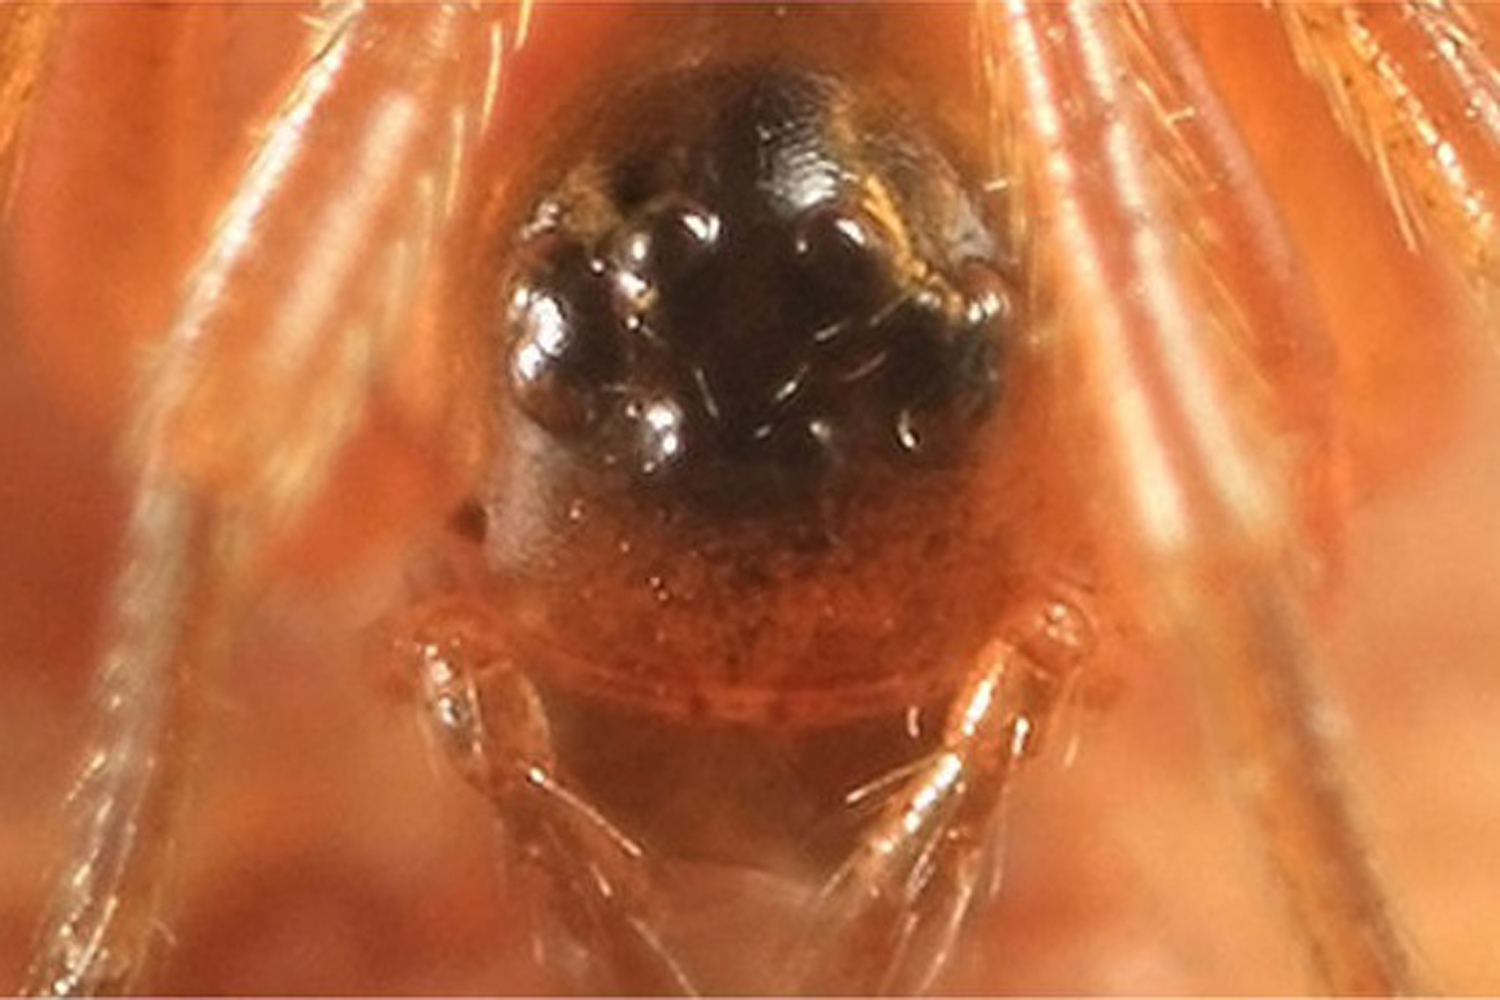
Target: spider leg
x,y
25,30
1415,86
904,893
488,717
309,278
1198,382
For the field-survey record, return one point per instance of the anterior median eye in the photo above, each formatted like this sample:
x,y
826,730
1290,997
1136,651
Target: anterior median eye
x,y
796,292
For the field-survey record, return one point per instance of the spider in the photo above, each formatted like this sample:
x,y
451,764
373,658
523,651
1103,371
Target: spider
x,y
1165,266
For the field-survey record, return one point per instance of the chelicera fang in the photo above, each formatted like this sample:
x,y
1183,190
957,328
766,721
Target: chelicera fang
x,y
822,410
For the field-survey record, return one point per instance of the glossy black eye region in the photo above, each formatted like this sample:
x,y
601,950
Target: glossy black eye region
x,y
751,286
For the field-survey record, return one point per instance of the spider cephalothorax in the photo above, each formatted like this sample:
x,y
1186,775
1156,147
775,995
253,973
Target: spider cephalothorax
x,y
751,347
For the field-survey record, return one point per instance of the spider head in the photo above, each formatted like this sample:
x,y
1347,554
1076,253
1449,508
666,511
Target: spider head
x,y
751,289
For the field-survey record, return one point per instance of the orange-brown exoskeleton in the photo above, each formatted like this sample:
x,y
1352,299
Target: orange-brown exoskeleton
x,y
748,434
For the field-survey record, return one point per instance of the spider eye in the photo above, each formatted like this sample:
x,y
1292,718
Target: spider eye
x,y
562,349
846,258
790,297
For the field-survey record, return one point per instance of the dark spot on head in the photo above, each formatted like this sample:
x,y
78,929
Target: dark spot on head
x,y
468,521
771,304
